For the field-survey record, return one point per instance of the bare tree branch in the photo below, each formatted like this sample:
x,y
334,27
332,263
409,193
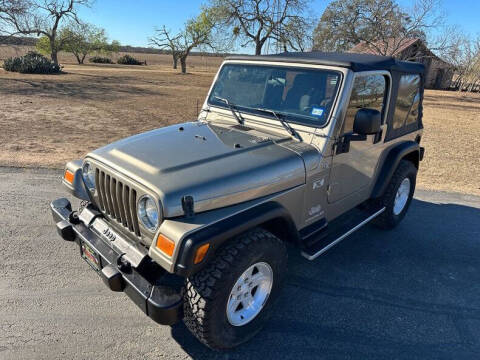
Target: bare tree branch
x,y
197,33
381,25
164,41
257,21
39,17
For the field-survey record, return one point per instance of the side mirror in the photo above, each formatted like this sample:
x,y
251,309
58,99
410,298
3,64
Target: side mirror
x,y
367,122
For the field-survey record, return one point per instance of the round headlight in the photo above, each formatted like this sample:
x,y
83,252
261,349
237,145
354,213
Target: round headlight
x,y
148,212
88,173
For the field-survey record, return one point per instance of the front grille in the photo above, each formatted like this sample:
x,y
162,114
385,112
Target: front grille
x,y
117,200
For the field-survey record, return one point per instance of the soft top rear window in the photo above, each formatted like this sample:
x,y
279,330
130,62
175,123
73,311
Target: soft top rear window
x,y
299,95
408,100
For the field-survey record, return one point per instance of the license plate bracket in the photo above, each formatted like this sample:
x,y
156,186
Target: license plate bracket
x,y
90,256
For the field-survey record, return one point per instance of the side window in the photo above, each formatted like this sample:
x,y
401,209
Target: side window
x,y
368,92
408,100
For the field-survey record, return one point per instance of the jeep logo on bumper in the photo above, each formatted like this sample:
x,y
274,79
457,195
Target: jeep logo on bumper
x,y
109,234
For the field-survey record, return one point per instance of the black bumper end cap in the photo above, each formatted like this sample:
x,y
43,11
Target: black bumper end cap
x,y
62,203
113,278
422,153
165,305
65,230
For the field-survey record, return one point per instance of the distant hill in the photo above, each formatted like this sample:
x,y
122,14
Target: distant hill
x,y
143,50
17,40
31,41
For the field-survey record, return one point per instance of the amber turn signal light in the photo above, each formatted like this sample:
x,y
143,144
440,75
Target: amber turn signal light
x,y
200,254
69,176
165,245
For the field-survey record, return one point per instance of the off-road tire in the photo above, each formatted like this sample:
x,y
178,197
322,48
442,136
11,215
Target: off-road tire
x,y
388,219
207,291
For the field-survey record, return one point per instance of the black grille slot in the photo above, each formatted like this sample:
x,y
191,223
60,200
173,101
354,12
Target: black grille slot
x,y
117,200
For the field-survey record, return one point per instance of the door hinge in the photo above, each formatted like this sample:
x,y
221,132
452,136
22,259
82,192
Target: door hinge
x,y
378,137
342,145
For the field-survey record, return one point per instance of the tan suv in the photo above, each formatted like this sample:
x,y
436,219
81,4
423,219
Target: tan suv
x,y
191,220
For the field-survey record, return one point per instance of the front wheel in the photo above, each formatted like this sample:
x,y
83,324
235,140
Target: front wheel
x,y
229,301
397,196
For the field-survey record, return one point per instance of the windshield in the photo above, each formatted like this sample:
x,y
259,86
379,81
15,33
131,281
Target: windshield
x,y
301,95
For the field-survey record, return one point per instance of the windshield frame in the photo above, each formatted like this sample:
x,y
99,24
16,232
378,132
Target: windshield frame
x,y
297,119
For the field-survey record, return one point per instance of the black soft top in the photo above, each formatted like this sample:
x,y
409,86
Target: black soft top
x,y
356,62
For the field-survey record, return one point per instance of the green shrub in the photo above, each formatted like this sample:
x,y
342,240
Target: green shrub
x,y
100,60
129,60
32,63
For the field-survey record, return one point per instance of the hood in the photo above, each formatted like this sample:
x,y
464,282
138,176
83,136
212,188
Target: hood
x,y
217,165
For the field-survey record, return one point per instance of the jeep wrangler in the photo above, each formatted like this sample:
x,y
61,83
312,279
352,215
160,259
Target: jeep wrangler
x,y
191,221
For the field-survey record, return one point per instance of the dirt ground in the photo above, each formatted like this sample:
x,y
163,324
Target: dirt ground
x,y
452,142
46,120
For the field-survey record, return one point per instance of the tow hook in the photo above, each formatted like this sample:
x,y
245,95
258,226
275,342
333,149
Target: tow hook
x,y
73,217
123,264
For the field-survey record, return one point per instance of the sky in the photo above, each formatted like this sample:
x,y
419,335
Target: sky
x,y
132,22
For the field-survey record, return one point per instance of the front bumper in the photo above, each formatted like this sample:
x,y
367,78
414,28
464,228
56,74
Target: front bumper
x,y
157,293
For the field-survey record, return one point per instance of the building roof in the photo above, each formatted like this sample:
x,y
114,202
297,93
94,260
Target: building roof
x,y
392,46
396,48
356,62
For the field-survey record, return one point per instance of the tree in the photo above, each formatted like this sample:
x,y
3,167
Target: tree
x,y
198,32
256,21
17,8
82,39
464,54
113,47
43,46
295,35
41,17
381,24
165,41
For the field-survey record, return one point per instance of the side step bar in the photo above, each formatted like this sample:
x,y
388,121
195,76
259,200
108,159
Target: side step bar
x,y
330,240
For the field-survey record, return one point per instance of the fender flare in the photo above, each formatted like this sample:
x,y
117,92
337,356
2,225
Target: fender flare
x,y
390,164
219,232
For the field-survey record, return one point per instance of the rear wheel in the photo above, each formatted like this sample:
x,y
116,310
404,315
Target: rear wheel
x,y
229,301
397,196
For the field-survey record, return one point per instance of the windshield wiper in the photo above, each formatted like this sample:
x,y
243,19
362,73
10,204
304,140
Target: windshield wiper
x,y
232,108
284,123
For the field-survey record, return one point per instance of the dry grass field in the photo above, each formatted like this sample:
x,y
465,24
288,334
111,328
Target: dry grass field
x,y
48,120
196,63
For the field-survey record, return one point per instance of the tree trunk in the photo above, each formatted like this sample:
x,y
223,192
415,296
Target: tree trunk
x,y
258,48
54,56
175,61
183,64
54,51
